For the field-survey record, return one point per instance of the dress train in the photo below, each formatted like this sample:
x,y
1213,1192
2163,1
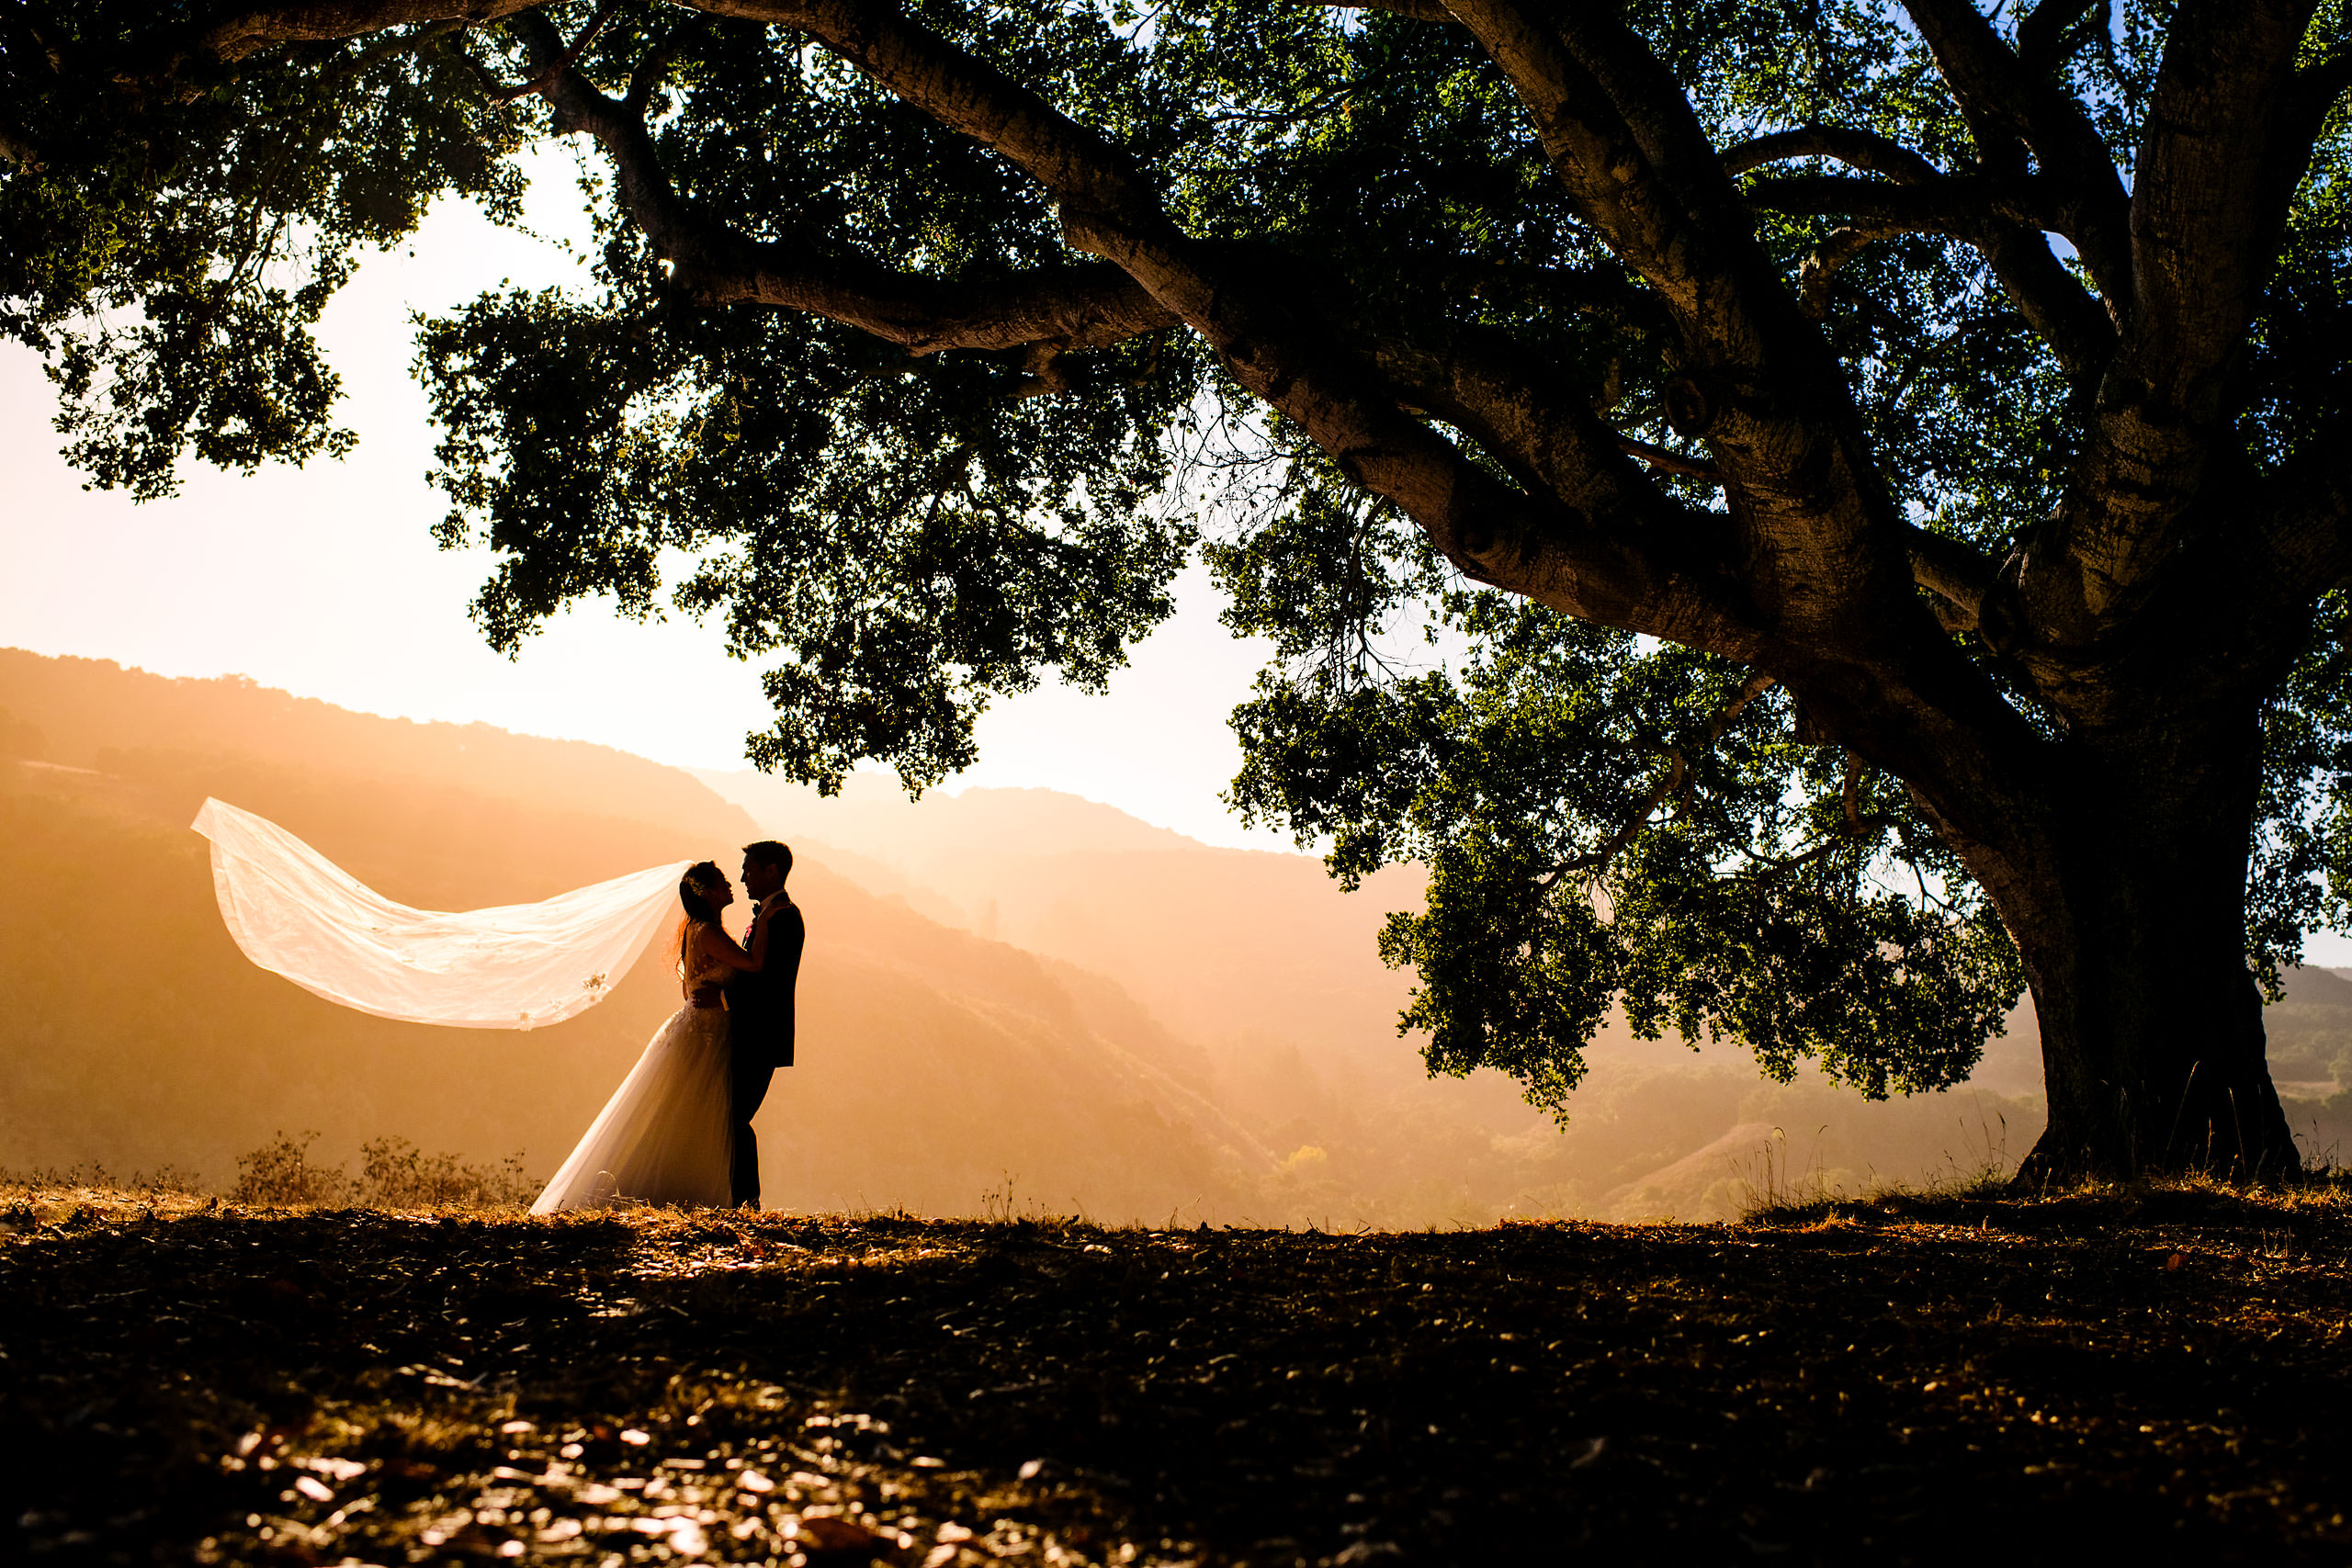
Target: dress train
x,y
665,1136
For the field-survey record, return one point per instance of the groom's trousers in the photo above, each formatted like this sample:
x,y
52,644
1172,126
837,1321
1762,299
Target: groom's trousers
x,y
751,1073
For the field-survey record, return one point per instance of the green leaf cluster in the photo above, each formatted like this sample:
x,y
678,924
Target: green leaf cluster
x,y
179,226
1605,824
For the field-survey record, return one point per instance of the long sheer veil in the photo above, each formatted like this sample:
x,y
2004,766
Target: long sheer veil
x,y
296,913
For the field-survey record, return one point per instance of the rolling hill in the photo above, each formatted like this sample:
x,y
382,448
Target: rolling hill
x,y
939,1066
1014,1000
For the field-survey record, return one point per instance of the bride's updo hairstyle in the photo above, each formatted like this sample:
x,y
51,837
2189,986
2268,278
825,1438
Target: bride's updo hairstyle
x,y
695,890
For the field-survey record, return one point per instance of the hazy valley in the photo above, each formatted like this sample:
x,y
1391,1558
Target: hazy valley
x,y
1013,1001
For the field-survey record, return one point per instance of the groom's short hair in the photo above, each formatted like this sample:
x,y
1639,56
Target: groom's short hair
x,y
768,852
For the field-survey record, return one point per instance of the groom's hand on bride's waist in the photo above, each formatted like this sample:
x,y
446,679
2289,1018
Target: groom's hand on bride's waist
x,y
705,996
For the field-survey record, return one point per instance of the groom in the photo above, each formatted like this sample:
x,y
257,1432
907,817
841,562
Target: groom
x,y
760,1006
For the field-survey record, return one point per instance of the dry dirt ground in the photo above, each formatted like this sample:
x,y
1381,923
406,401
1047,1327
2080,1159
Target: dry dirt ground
x,y
2097,1377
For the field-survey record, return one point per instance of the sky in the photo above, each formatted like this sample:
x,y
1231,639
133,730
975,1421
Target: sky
x,y
325,581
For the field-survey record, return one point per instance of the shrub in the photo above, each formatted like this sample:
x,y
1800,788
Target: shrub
x,y
398,1175
395,1174
281,1172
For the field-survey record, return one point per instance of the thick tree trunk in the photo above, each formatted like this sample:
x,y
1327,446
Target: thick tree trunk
x,y
2134,945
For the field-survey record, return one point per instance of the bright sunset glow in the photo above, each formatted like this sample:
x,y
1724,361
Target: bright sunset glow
x,y
325,580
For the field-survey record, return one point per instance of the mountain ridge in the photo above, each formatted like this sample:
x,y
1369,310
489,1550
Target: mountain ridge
x,y
141,1037
1004,989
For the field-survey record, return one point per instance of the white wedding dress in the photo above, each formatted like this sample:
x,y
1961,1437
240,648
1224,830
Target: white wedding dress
x,y
665,1136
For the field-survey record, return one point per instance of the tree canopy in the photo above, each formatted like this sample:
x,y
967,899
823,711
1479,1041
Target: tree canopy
x,y
1804,517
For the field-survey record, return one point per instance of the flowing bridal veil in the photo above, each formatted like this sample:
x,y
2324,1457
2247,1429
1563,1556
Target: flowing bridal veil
x,y
663,1138
296,913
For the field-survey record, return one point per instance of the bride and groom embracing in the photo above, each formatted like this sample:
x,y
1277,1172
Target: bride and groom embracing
x,y
679,1128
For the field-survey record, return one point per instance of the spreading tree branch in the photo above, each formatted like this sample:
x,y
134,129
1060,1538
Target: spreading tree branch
x,y
2007,107
1068,306
1757,382
1589,562
1822,589
2222,151
2050,299
240,33
1864,150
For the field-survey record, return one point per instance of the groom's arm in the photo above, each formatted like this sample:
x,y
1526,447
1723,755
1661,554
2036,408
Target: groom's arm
x,y
708,996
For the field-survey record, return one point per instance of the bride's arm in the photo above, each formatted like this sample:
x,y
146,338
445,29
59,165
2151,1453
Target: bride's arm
x,y
716,944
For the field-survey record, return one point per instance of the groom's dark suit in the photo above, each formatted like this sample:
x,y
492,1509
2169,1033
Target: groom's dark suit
x,y
760,1009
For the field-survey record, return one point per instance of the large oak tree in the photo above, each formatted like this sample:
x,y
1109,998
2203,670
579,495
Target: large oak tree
x,y
1807,517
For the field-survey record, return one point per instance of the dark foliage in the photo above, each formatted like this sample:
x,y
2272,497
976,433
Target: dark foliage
x,y
180,226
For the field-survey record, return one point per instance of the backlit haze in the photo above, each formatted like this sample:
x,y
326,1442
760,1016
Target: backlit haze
x,y
325,580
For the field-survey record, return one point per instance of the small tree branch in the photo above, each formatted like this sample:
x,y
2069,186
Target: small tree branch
x,y
543,78
2046,293
1517,408
1419,10
1674,782
240,33
1666,460
1086,306
2051,298
1957,572
1951,205
2042,41
652,70
1863,149
1821,268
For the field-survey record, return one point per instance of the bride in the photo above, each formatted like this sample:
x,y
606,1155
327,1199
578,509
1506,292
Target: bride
x,y
665,1136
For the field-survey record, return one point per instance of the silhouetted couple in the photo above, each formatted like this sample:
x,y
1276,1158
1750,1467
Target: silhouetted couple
x,y
679,1128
